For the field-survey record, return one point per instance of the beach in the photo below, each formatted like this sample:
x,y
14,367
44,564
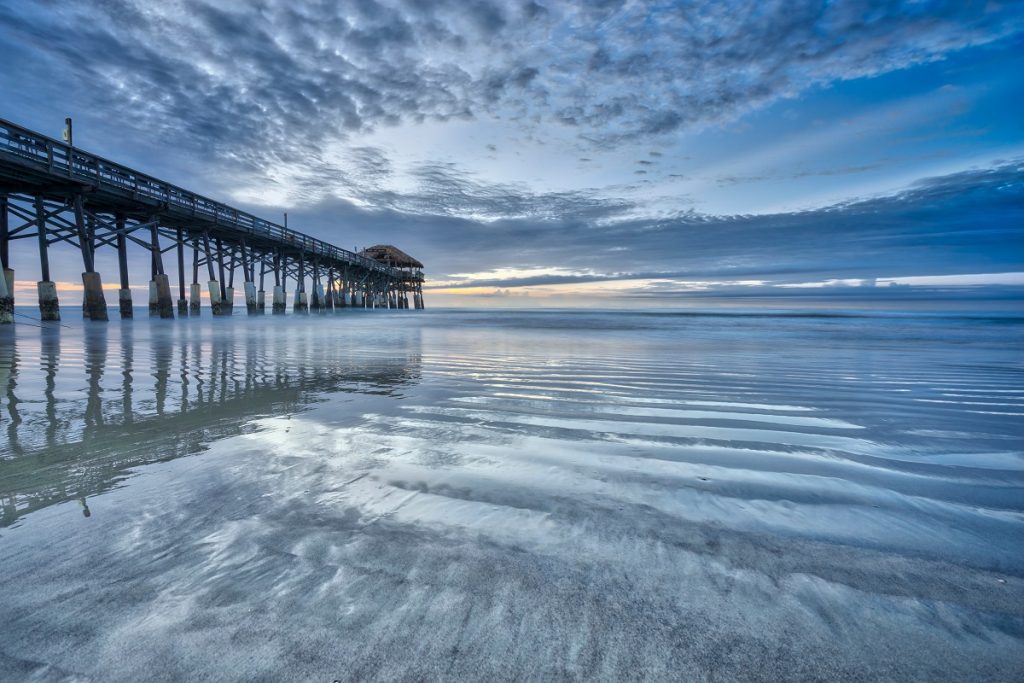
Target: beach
x,y
514,495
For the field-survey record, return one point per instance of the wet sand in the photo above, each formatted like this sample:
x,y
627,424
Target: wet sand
x,y
508,496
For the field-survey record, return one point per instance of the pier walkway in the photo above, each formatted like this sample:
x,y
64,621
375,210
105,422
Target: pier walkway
x,y
54,192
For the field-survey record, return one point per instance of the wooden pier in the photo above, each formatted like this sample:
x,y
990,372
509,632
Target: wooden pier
x,y
55,192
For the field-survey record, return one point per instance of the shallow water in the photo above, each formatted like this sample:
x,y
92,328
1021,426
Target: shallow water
x,y
508,495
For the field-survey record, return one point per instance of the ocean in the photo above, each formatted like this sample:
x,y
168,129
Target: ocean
x,y
513,495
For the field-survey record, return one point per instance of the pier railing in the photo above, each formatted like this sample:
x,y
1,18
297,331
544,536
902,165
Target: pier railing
x,y
61,160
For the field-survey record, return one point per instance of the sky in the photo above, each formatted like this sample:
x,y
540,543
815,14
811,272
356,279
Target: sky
x,y
550,153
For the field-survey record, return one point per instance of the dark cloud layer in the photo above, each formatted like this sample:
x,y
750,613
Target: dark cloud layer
x,y
215,76
969,222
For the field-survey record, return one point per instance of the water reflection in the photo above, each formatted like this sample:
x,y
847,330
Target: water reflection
x,y
82,407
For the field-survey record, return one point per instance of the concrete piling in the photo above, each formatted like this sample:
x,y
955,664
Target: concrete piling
x,y
278,305
164,303
228,305
216,305
124,294
321,302
301,304
49,308
250,297
7,297
194,298
124,303
261,302
182,301
95,305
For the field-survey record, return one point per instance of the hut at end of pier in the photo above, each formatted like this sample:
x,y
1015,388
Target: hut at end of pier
x,y
412,269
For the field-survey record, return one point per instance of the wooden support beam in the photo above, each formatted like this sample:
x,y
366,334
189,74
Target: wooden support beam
x,y
94,305
280,300
44,258
216,293
195,292
301,304
49,307
5,236
124,295
159,287
6,274
248,286
182,301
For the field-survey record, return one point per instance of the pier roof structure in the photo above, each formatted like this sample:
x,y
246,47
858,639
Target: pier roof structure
x,y
391,255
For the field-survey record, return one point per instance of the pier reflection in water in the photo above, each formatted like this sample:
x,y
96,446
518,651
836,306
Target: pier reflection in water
x,y
84,405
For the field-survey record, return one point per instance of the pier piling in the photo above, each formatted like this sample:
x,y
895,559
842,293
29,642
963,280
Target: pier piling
x,y
278,304
124,294
95,306
49,308
182,301
7,297
250,298
215,299
165,306
6,284
194,298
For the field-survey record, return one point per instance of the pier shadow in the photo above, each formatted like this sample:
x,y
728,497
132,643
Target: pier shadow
x,y
82,407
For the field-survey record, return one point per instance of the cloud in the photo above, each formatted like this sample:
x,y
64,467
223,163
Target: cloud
x,y
443,189
967,222
724,181
289,76
968,295
841,170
